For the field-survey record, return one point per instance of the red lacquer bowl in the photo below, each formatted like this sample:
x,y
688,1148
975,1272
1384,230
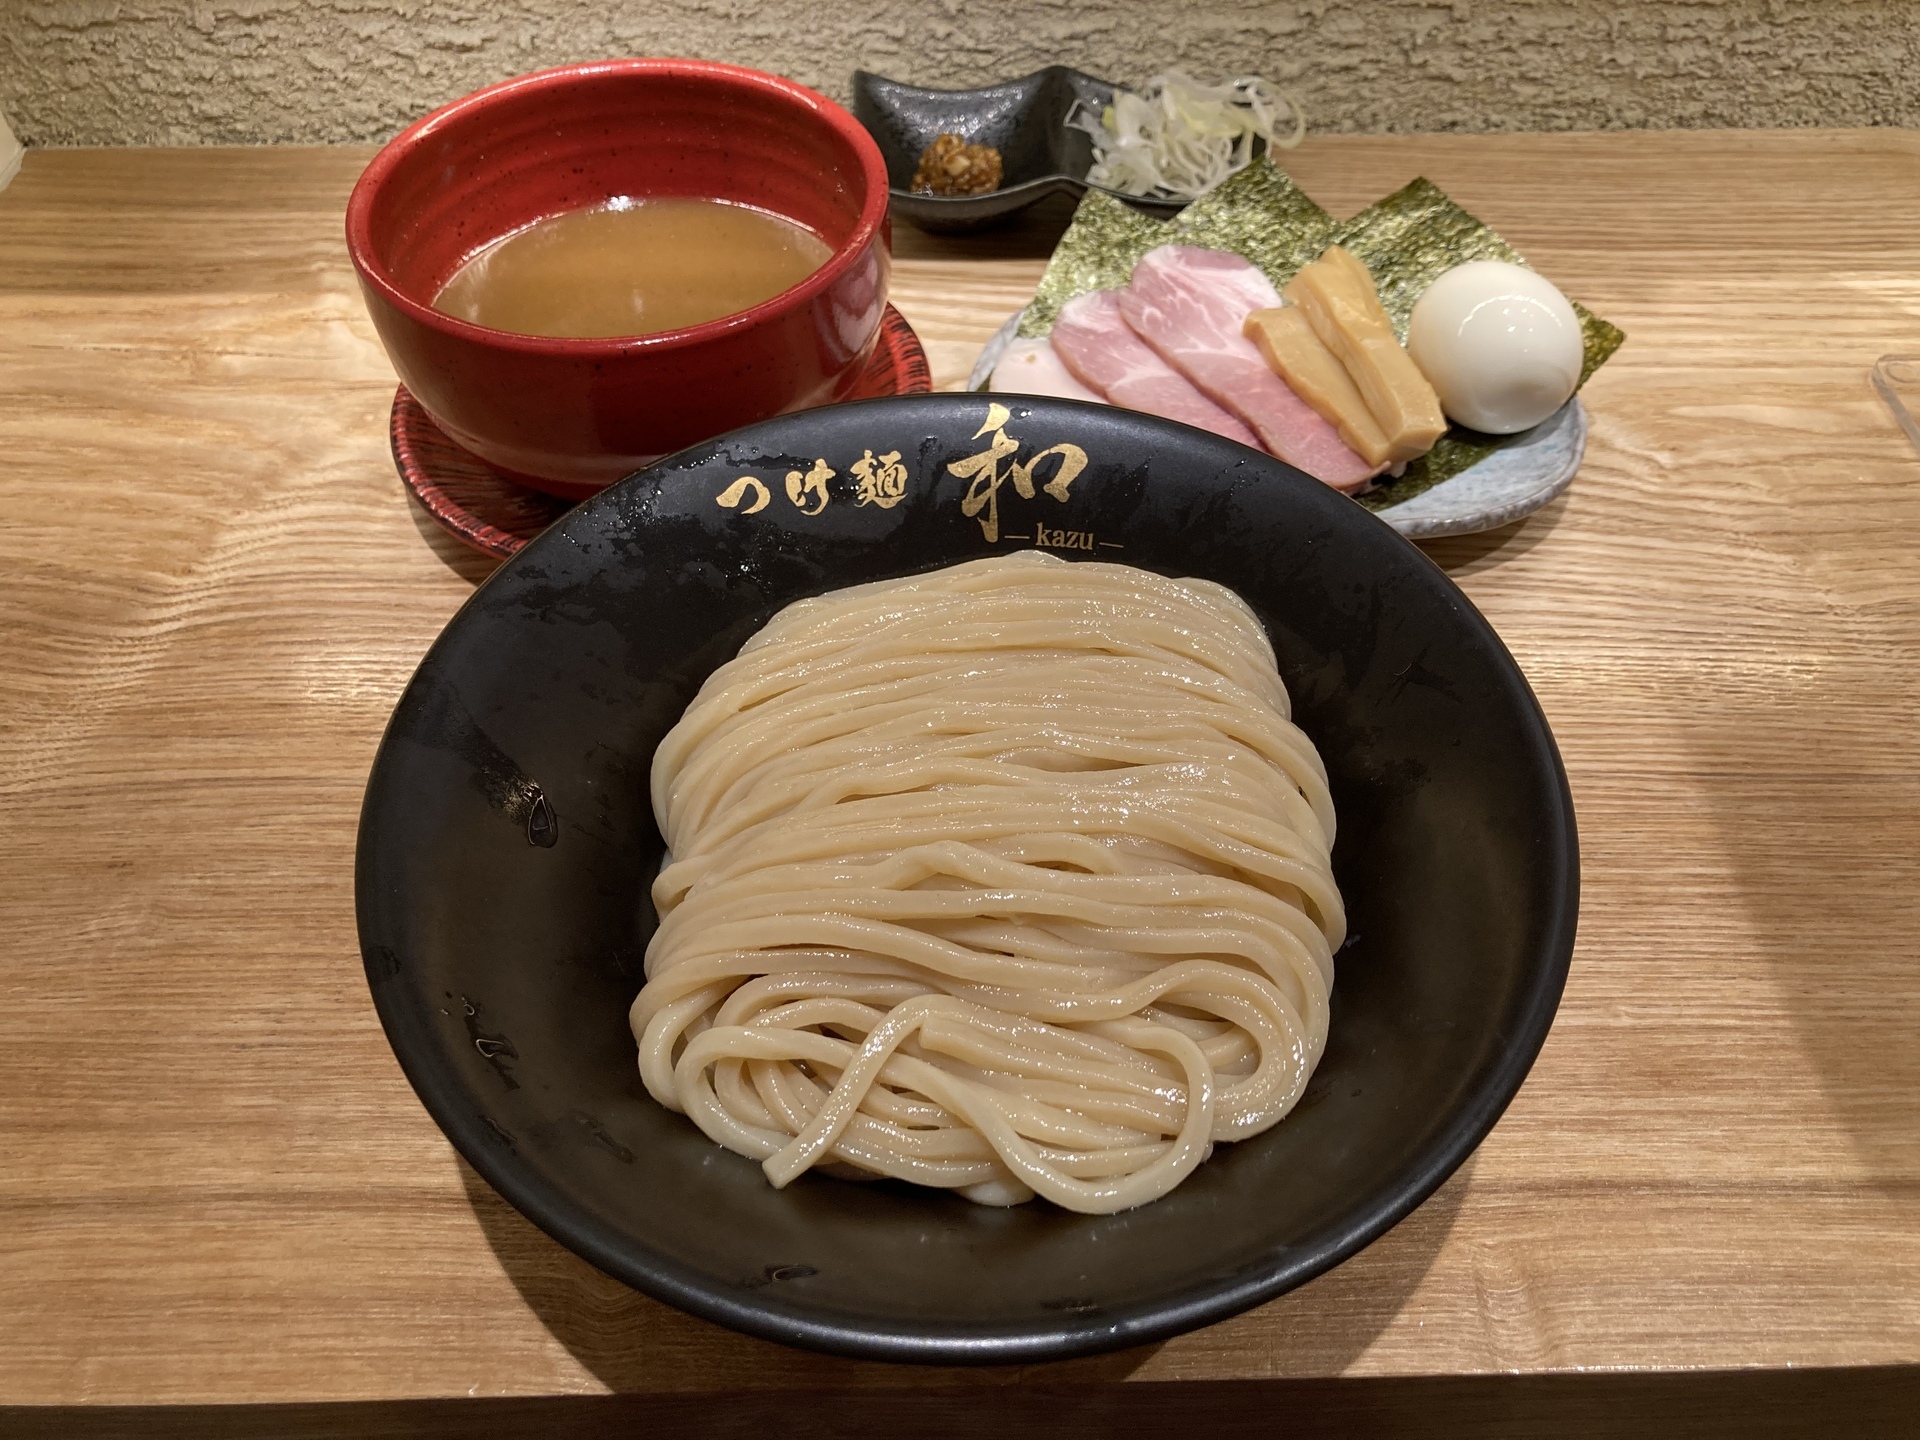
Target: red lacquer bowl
x,y
572,416
478,505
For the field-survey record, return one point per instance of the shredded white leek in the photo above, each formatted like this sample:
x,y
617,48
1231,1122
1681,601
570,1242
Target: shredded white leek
x,y
1175,139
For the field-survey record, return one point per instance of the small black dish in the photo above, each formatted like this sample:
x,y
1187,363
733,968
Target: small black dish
x,y
507,844
1024,119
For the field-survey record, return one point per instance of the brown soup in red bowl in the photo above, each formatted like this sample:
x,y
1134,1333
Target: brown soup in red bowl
x,y
561,178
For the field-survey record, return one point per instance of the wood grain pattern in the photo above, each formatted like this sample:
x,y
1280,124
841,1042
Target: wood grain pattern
x,y
217,1185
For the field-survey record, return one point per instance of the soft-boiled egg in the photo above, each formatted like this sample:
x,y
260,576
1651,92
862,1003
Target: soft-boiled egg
x,y
1499,342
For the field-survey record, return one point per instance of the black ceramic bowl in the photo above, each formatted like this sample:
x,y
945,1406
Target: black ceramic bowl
x,y
1024,119
506,847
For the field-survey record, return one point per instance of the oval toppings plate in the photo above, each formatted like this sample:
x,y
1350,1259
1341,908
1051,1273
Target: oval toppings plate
x,y
507,846
1509,484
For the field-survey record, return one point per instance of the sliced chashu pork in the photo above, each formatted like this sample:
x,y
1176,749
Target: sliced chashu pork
x,y
1189,305
1102,352
1034,367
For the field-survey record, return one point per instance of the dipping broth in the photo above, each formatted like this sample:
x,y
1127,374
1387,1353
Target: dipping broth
x,y
632,267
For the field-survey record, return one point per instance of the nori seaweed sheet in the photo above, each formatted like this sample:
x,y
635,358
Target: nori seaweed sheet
x,y
1097,252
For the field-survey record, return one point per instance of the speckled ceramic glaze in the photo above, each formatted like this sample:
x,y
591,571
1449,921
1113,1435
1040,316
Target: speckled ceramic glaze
x,y
1024,119
507,844
571,416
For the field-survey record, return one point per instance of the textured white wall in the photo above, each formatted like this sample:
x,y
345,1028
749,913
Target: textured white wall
x,y
91,72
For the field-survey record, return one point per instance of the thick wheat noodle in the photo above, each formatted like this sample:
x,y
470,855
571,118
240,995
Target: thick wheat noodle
x,y
1010,879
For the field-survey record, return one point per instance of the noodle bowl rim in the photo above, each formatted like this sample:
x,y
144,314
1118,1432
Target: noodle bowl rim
x,y
1482,1094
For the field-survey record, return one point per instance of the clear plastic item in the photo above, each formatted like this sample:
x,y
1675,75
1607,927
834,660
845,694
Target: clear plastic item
x,y
1897,378
10,153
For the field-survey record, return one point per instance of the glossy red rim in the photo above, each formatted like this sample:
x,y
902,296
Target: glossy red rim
x,y
873,212
449,482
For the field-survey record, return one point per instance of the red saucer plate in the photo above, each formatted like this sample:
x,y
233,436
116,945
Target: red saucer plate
x,y
478,504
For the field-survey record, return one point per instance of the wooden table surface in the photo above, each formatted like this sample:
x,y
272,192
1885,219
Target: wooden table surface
x,y
215,1184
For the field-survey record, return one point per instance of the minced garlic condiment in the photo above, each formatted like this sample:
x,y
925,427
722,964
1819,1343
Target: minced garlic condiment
x,y
951,166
